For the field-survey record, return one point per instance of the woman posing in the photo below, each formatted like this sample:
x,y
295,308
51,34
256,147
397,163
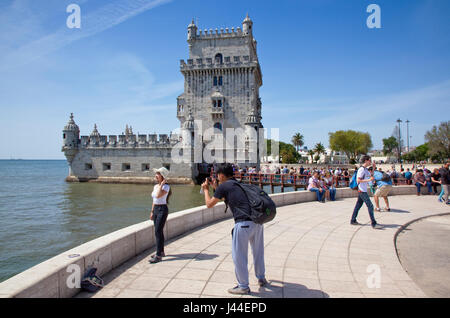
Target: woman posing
x,y
160,211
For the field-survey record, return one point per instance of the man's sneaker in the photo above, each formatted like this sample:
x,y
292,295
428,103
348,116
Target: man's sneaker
x,y
155,259
262,282
239,291
354,223
377,227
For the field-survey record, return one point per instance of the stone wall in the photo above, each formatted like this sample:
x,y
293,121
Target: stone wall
x,y
123,164
48,279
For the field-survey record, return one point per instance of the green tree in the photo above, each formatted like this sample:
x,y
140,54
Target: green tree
x,y
389,144
297,140
287,152
438,139
352,143
419,154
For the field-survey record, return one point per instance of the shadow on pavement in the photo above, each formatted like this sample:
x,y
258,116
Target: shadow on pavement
x,y
194,256
279,289
397,211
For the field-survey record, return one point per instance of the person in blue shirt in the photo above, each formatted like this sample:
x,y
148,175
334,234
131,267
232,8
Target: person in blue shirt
x,y
383,189
408,176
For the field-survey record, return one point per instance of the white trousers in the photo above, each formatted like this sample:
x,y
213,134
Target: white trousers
x,y
244,233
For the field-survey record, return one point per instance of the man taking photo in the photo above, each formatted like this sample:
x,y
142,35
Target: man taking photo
x,y
245,230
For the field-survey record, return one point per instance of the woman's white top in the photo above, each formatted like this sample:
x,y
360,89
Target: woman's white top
x,y
163,199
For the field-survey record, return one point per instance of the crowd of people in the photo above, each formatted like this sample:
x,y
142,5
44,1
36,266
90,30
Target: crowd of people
x,y
324,180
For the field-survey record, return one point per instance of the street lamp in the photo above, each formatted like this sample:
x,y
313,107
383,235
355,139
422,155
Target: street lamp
x,y
407,134
399,142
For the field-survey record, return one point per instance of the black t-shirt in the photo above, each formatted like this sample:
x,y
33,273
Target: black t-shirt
x,y
436,176
445,177
236,199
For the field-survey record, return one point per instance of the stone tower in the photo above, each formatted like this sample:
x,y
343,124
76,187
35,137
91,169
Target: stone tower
x,y
222,80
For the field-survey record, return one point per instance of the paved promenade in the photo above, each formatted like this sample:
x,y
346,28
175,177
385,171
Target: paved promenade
x,y
311,250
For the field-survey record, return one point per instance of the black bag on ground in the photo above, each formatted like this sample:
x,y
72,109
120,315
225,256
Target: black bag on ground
x,y
91,282
262,207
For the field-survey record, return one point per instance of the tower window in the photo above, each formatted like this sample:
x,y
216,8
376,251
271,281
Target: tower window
x,y
106,166
219,58
145,167
126,167
218,126
64,136
88,166
218,81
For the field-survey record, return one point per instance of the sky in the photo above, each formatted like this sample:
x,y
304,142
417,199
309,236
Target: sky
x,y
323,69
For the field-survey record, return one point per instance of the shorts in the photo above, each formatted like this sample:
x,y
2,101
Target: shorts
x,y
383,191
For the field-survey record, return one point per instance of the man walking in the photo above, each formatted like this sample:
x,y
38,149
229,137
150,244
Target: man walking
x,y
244,232
363,177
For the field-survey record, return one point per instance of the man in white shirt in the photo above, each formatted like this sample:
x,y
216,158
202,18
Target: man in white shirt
x,y
363,178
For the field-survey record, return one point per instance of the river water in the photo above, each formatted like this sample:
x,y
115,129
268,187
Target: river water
x,y
42,216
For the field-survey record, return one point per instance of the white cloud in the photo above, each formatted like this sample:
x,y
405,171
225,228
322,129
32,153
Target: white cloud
x,y
103,18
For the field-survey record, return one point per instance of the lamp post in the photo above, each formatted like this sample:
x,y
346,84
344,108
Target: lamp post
x,y
407,134
399,142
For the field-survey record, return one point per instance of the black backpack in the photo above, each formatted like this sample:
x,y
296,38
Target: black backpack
x,y
91,282
262,207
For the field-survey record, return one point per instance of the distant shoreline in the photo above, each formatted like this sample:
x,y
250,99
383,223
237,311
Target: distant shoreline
x,y
33,159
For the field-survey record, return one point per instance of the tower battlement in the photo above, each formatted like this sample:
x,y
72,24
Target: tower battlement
x,y
153,141
225,62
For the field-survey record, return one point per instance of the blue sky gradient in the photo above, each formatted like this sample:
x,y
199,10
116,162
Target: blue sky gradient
x,y
323,69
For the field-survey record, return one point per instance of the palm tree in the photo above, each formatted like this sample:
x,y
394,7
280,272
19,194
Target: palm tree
x,y
297,140
311,154
319,149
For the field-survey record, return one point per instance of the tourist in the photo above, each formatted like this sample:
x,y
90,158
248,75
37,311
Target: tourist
x,y
245,230
445,181
160,211
330,182
420,181
435,180
408,176
363,178
383,189
314,186
394,176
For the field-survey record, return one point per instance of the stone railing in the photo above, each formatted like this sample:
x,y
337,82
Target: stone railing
x,y
49,279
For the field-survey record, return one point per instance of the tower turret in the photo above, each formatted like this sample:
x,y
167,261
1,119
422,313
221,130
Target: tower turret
x,y
71,139
192,31
247,26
